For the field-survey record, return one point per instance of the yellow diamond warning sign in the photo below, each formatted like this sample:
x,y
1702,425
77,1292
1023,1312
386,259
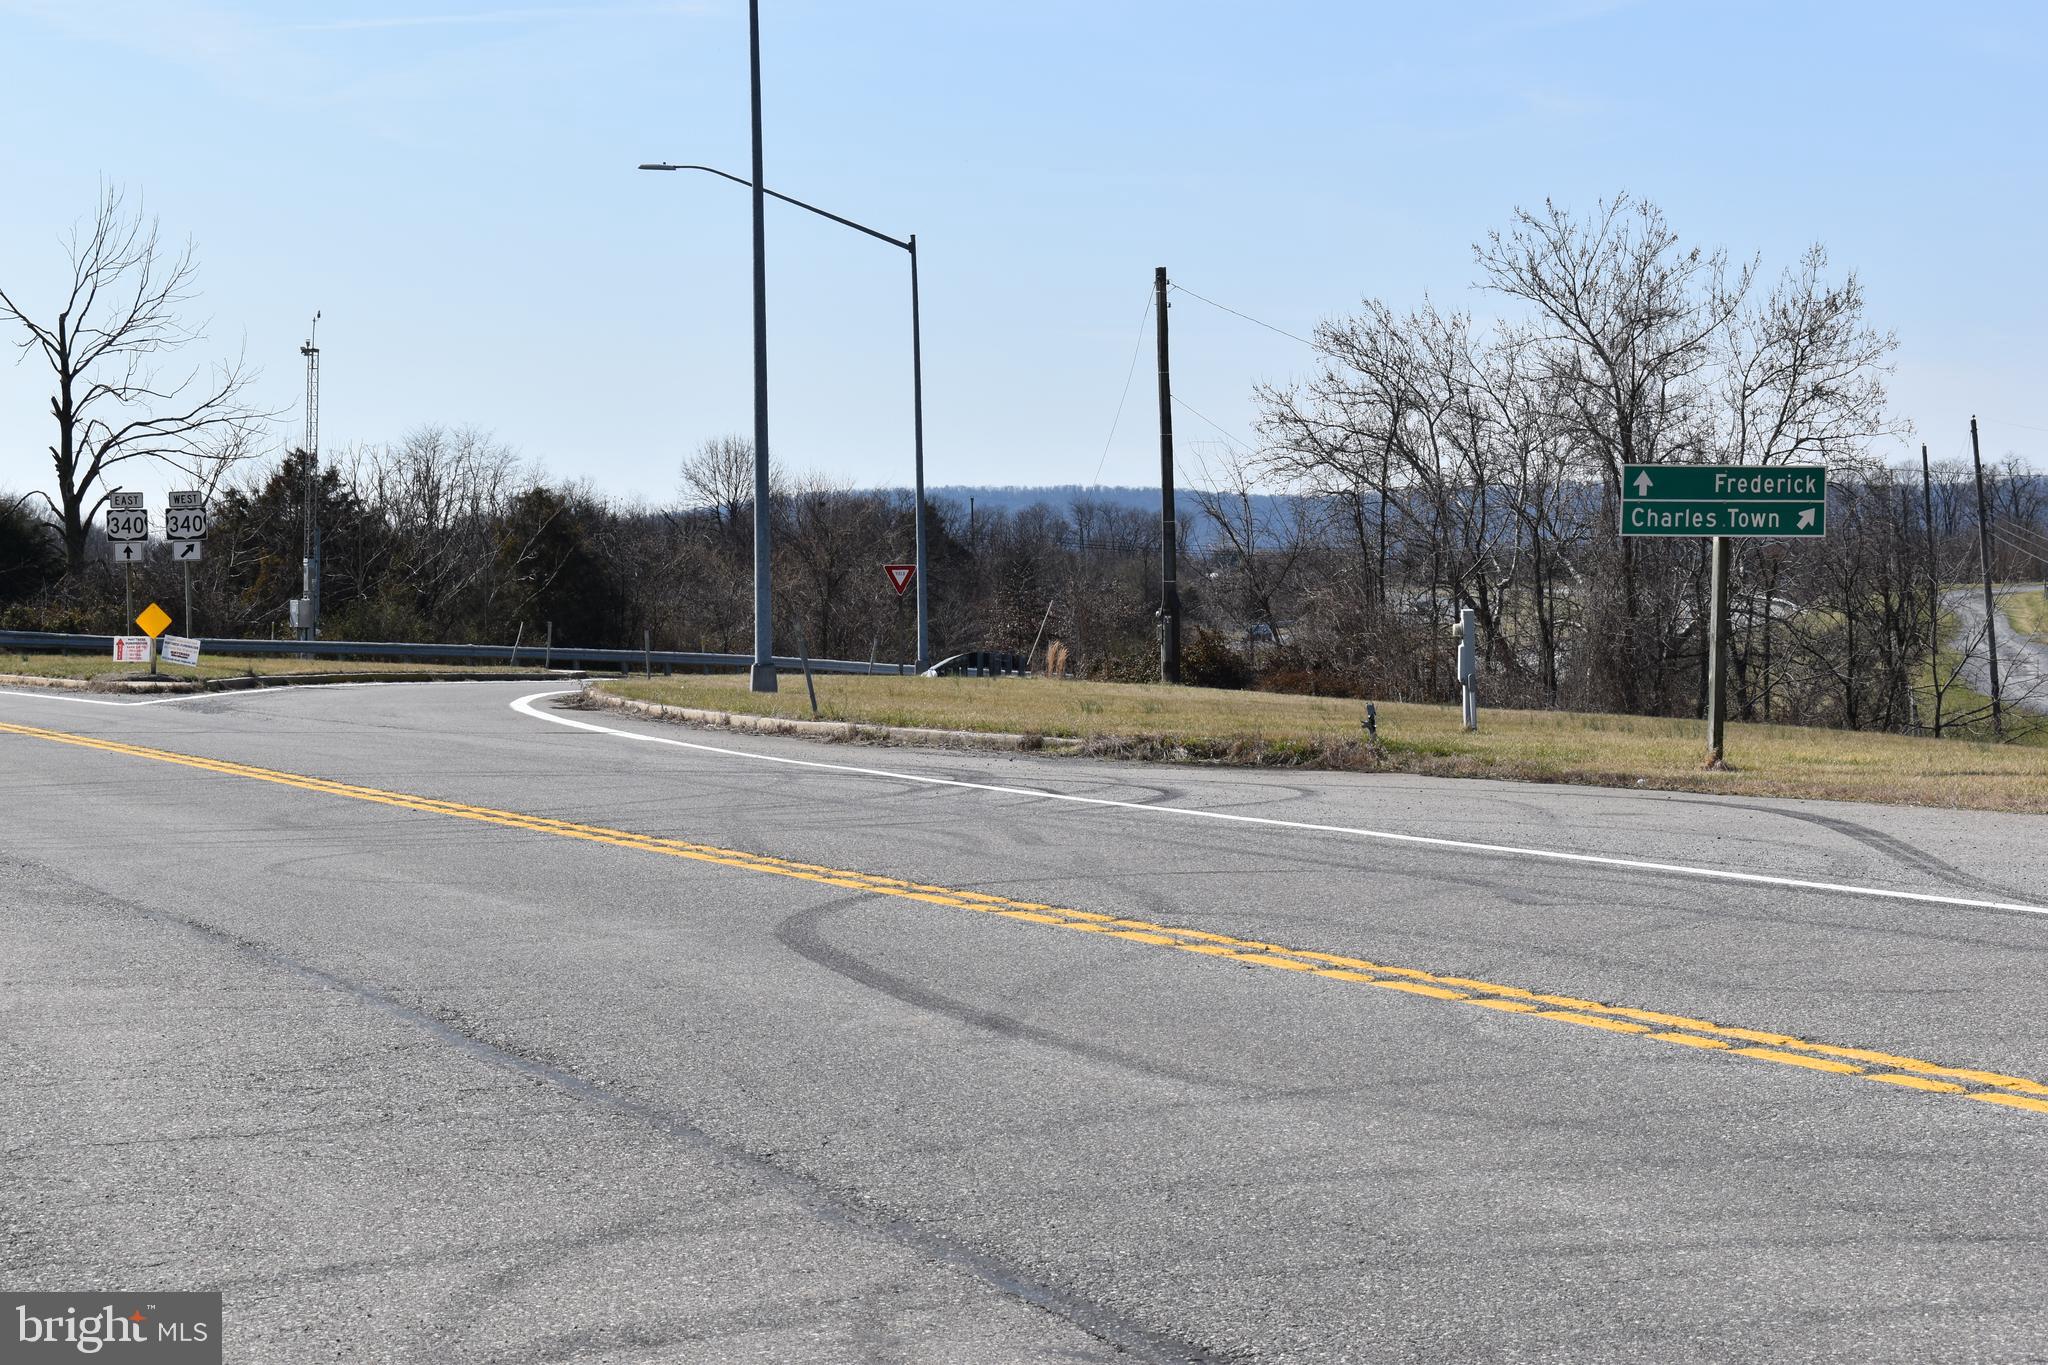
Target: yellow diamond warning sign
x,y
153,620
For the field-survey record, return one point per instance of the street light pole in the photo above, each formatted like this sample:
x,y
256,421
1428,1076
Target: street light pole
x,y
761,678
924,638
916,377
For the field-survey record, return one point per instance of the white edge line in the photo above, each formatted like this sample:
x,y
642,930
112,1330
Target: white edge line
x,y
64,694
524,705
216,694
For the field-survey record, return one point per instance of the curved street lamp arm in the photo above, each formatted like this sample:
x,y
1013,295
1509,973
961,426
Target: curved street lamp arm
x,y
787,199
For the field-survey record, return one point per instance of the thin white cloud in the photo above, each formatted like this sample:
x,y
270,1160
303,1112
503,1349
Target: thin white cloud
x,y
527,15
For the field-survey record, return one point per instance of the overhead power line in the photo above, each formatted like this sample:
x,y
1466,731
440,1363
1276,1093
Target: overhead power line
x,y
1256,322
1219,428
2001,422
2018,528
1136,346
2010,543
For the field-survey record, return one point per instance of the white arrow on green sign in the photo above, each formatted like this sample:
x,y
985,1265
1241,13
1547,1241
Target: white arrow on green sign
x,y
1724,500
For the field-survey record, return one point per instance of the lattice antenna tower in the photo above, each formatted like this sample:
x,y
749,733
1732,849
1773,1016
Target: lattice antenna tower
x,y
312,353
312,447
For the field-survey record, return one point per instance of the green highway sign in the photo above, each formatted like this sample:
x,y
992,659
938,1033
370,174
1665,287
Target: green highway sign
x,y
1724,500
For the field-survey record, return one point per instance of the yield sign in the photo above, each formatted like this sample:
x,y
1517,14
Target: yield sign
x,y
900,576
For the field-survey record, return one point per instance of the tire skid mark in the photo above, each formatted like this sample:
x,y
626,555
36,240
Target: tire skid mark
x,y
1904,1073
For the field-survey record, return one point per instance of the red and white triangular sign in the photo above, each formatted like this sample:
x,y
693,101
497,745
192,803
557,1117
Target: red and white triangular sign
x,y
900,575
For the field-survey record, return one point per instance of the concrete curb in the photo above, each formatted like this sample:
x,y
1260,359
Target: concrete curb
x,y
178,686
832,730
61,684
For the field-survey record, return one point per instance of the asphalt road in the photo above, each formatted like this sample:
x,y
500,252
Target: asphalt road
x,y
431,1029
2022,660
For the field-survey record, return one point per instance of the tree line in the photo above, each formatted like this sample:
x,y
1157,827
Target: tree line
x,y
1477,464
1428,461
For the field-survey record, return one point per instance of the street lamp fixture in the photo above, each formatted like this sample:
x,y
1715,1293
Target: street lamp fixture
x,y
916,383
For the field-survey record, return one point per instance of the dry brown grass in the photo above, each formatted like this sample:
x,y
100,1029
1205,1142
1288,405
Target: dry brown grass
x,y
1186,724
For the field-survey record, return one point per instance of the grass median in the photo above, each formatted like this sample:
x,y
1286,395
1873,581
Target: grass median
x,y
2028,612
1190,724
93,668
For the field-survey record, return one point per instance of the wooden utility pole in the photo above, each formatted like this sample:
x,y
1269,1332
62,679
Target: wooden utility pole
x,y
1990,606
1933,587
1169,551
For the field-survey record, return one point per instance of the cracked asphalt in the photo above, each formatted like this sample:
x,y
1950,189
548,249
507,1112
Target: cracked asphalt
x,y
813,1080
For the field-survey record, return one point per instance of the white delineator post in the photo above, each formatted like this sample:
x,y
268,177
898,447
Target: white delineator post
x,y
1468,665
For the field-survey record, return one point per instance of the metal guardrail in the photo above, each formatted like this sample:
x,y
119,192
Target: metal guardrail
x,y
535,656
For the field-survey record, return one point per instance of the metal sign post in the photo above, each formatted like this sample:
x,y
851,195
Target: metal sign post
x,y
154,621
185,525
1722,502
128,537
1717,655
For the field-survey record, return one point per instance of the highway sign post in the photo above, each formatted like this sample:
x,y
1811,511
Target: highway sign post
x,y
1722,501
899,576
128,533
185,521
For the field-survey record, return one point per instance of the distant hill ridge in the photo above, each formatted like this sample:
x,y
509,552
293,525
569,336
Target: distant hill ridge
x,y
1195,531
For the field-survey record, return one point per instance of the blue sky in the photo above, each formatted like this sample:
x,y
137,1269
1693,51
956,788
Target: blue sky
x,y
452,183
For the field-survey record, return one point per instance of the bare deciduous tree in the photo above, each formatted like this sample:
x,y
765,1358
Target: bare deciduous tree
x,y
119,320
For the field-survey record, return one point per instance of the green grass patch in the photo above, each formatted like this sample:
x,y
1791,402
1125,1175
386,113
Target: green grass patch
x,y
2028,612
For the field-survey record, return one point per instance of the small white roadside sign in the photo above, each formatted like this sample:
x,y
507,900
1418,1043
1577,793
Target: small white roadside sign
x,y
181,649
131,649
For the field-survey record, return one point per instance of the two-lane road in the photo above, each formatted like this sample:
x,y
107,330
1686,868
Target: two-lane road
x,y
2022,659
433,1024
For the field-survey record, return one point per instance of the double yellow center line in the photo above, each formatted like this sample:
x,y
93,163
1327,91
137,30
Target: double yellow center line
x,y
1885,1068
